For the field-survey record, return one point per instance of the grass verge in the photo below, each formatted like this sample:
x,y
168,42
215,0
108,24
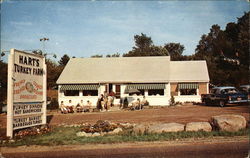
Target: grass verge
x,y
67,136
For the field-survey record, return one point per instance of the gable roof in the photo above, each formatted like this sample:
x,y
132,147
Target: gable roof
x,y
116,70
188,71
132,70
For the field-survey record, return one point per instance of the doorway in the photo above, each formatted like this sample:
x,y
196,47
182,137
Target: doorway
x,y
110,88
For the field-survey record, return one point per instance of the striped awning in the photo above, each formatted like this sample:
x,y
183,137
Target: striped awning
x,y
146,86
188,85
80,87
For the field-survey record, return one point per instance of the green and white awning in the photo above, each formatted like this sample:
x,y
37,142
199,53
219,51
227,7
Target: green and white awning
x,y
80,87
146,86
188,85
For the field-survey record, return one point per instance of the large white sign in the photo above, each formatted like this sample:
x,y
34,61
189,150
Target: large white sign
x,y
26,90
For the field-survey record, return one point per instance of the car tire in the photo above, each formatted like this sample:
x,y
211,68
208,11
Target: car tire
x,y
206,102
222,103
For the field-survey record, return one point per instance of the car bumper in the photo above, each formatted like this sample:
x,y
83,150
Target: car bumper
x,y
238,101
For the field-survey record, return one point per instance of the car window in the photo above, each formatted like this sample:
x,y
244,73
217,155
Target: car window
x,y
213,91
230,91
244,89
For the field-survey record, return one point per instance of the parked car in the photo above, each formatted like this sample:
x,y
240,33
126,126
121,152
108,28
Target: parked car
x,y
224,95
245,89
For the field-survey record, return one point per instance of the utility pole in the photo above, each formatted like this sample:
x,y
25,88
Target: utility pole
x,y
43,41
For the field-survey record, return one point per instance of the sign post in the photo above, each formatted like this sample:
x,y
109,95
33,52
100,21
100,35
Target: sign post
x,y
26,105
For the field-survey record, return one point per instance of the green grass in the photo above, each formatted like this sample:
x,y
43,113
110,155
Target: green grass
x,y
67,136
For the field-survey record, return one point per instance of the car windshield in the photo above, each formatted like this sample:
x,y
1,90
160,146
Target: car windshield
x,y
229,91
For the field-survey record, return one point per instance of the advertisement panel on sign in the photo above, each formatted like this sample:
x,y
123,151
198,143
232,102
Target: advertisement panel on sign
x,y
28,75
27,108
26,90
27,121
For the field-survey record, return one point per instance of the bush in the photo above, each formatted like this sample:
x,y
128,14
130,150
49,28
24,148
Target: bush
x,y
172,101
53,104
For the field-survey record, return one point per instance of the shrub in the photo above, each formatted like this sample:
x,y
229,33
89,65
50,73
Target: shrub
x,y
53,105
172,101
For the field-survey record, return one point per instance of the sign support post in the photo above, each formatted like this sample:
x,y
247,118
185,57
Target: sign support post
x,y
10,95
44,117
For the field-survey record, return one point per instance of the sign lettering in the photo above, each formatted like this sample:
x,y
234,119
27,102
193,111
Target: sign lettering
x,y
22,122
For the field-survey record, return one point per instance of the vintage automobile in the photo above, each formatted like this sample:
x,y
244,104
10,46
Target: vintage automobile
x,y
245,89
224,95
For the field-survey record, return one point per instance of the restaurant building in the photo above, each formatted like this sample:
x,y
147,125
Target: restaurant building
x,y
156,78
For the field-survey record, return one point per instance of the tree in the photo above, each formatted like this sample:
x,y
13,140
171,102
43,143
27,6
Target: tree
x,y
158,51
142,42
3,81
226,52
175,50
243,39
113,55
97,56
64,60
53,72
144,47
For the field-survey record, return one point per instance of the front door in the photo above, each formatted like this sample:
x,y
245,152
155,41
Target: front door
x,y
110,88
117,91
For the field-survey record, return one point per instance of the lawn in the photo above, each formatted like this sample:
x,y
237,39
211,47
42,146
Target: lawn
x,y
67,136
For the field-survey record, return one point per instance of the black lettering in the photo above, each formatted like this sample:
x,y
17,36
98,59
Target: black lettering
x,y
25,61
30,61
37,62
21,59
21,69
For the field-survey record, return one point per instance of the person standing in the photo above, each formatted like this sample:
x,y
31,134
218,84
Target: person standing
x,y
121,103
112,95
125,103
100,102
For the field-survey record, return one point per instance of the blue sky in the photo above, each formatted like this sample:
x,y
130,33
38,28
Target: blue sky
x,y
86,28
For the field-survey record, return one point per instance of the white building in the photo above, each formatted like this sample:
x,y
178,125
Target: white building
x,y
157,78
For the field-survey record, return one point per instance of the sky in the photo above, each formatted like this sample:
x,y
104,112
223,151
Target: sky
x,y
86,28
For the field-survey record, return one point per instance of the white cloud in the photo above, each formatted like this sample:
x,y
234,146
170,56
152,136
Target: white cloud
x,y
21,23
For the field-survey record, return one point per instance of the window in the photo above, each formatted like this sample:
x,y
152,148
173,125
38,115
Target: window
x,y
188,92
71,93
142,92
90,93
156,92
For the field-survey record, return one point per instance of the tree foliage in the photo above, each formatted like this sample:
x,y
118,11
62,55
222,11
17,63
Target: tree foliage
x,y
144,47
227,52
64,60
113,55
53,72
97,56
175,50
3,81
